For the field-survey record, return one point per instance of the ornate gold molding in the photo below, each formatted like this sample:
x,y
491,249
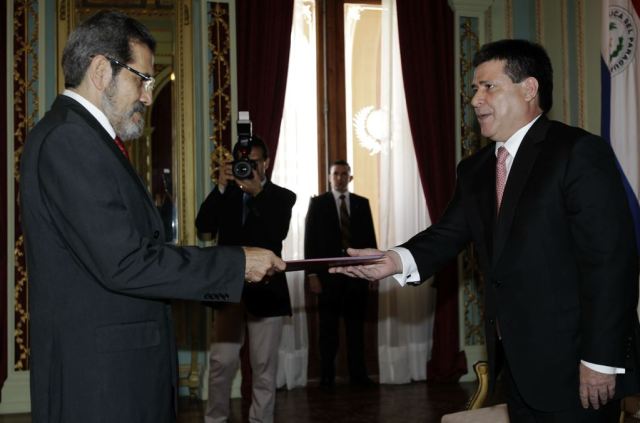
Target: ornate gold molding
x,y
25,113
185,133
220,85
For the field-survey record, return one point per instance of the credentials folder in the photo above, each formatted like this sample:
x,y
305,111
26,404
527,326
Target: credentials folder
x,y
316,264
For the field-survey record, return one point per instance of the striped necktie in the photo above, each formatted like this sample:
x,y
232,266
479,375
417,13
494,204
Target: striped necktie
x,y
501,175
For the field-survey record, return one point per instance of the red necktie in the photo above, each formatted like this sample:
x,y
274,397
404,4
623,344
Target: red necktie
x,y
121,146
501,175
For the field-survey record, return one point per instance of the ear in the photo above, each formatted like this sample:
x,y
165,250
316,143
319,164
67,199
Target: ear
x,y
266,163
530,87
350,178
100,73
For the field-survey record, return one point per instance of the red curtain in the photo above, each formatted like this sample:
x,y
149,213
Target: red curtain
x,y
263,31
426,50
264,37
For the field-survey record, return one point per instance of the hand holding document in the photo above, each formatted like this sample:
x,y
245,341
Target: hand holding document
x,y
316,264
261,263
366,263
387,264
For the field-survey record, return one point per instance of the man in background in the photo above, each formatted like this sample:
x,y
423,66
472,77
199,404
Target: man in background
x,y
546,210
248,211
100,272
337,220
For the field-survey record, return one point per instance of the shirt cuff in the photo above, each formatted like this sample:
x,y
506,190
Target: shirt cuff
x,y
607,370
409,267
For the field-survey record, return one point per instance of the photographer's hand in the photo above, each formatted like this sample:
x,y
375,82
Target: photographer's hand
x,y
224,176
252,186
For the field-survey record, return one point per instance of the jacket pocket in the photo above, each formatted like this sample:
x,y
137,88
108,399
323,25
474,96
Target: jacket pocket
x,y
127,336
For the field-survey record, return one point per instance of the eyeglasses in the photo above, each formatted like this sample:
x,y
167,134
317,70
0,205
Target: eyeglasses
x,y
147,81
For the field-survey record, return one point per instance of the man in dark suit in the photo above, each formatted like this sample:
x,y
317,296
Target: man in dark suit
x,y
102,345
556,245
249,211
337,220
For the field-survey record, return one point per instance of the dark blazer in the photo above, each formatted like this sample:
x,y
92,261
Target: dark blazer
x,y
102,344
322,227
266,226
560,261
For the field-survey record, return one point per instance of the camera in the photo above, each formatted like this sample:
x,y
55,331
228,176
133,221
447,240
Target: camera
x,y
242,166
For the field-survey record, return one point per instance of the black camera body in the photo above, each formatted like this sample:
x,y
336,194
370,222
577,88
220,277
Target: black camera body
x,y
242,166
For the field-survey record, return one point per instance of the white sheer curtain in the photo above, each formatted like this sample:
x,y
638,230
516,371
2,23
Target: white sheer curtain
x,y
295,169
405,321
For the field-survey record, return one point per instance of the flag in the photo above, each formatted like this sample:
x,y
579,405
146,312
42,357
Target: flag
x,y
620,77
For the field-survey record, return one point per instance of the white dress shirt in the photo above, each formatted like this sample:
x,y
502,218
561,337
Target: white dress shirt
x,y
91,108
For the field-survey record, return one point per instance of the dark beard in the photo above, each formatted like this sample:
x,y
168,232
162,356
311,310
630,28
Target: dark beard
x,y
122,123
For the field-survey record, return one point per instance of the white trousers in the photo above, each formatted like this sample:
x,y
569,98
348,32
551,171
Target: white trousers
x,y
224,359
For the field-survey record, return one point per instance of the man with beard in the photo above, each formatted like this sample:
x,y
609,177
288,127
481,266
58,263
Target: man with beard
x,y
100,272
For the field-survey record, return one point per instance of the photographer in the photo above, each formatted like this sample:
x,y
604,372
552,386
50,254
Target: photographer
x,y
253,211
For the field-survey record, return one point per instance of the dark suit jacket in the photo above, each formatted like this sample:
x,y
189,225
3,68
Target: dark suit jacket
x,y
560,261
102,345
322,227
266,226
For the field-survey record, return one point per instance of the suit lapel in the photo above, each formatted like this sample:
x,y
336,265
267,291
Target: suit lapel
x,y
331,210
354,206
105,138
517,180
486,198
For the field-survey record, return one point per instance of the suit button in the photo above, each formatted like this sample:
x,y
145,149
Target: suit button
x,y
492,322
156,234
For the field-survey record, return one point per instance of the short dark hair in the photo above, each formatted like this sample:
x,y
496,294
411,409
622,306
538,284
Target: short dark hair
x,y
256,141
108,33
340,162
522,59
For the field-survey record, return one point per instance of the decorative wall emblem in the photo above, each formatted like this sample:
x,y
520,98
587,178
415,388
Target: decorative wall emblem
x,y
372,128
623,37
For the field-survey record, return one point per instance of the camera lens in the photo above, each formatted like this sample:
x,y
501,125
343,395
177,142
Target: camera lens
x,y
242,169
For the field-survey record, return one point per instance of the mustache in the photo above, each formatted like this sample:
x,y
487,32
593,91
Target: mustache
x,y
138,107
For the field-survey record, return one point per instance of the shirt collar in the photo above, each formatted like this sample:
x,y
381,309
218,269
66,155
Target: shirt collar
x,y
513,143
337,194
91,108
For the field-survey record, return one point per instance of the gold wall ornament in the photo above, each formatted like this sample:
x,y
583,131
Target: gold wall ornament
x,y
471,141
25,113
219,157
219,79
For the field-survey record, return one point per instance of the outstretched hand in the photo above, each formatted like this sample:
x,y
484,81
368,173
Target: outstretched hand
x,y
261,263
596,388
388,265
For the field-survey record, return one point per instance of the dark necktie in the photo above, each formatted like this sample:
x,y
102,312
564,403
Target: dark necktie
x,y
121,146
245,207
345,223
